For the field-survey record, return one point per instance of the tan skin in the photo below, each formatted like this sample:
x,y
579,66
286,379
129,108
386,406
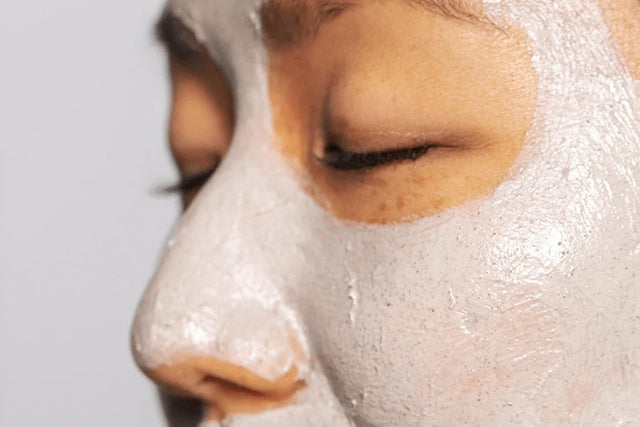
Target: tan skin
x,y
201,121
463,86
407,84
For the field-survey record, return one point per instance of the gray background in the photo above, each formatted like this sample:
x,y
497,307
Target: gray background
x,y
83,100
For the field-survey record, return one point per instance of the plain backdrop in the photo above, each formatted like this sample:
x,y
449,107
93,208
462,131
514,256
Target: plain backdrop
x,y
83,103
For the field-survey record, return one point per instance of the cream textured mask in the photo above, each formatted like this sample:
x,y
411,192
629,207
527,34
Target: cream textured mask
x,y
517,309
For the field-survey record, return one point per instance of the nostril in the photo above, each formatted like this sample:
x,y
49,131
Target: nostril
x,y
225,388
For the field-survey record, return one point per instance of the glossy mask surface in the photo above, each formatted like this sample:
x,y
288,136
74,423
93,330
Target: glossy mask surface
x,y
521,308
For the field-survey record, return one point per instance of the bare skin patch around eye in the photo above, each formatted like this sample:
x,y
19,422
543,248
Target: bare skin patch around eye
x,y
623,20
466,89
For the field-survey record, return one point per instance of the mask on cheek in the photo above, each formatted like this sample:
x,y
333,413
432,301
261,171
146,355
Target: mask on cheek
x,y
522,307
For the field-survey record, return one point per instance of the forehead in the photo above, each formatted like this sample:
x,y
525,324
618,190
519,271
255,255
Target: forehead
x,y
292,20
287,21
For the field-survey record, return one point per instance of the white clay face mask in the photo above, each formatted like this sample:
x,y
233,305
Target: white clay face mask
x,y
518,309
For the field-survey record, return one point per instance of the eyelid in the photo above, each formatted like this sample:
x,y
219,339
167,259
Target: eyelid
x,y
342,160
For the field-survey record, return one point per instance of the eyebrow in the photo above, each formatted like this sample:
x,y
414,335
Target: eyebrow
x,y
177,38
290,22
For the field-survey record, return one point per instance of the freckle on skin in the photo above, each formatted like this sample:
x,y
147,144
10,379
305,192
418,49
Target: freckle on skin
x,y
418,179
438,203
382,207
400,202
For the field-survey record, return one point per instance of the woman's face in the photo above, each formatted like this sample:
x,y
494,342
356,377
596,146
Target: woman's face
x,y
423,212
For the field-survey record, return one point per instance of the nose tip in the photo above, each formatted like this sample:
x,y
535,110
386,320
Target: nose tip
x,y
225,388
241,360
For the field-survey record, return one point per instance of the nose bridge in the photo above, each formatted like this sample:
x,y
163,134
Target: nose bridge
x,y
213,295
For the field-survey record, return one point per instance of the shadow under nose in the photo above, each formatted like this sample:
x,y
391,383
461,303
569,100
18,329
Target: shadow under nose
x,y
181,412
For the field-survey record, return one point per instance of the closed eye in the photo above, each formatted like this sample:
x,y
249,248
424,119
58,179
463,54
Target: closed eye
x,y
342,160
191,182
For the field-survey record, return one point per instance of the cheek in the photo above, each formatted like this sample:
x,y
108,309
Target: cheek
x,y
432,329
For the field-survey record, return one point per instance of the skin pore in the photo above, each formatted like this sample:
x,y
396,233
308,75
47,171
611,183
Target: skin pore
x,y
461,87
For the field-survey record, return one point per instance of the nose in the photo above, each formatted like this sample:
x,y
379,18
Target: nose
x,y
216,322
203,340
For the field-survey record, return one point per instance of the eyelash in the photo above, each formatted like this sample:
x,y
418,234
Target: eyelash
x,y
191,182
335,157
339,159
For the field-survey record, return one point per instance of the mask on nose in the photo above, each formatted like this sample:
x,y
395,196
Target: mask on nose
x,y
519,306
